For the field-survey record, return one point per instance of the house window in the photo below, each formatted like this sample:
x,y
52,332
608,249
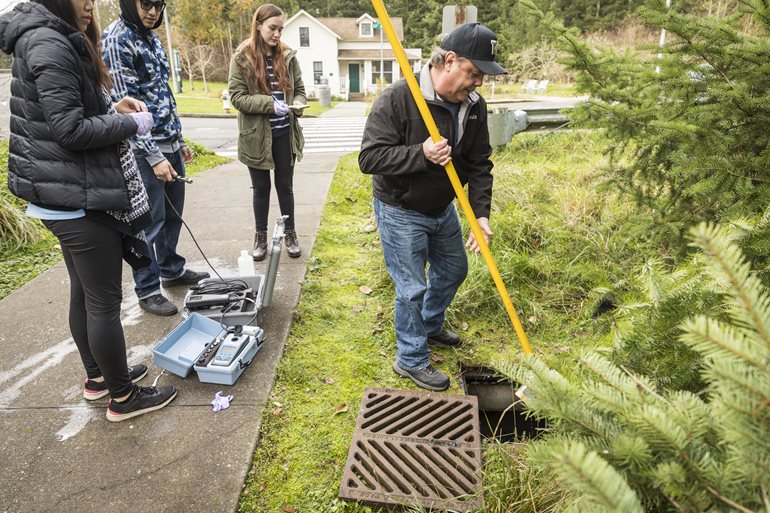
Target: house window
x,y
318,71
366,29
304,36
387,72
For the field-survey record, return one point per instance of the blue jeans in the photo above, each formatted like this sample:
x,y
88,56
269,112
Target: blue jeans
x,y
163,233
410,241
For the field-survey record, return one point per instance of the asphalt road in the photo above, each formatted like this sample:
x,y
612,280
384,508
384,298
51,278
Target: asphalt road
x,y
216,134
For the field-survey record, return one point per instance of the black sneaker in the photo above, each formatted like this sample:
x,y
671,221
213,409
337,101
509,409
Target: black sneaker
x,y
188,277
94,390
429,378
445,338
158,305
142,400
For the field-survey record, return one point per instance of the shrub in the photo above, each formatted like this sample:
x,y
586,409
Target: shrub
x,y
619,443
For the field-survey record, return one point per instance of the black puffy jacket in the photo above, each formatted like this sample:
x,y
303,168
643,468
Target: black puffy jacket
x,y
63,144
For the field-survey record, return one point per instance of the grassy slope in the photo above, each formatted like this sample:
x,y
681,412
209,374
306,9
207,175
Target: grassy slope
x,y
517,90
556,241
19,265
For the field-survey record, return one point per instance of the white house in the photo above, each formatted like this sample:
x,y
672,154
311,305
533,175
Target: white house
x,y
345,53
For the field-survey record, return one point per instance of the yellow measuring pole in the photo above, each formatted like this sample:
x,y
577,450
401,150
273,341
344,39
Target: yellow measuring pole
x,y
411,80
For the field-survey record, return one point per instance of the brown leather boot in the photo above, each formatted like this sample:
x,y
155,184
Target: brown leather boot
x,y
292,244
260,246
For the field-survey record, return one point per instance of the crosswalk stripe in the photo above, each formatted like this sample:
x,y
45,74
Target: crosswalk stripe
x,y
325,135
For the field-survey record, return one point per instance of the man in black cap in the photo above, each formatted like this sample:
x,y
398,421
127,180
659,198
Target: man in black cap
x,y
413,198
139,68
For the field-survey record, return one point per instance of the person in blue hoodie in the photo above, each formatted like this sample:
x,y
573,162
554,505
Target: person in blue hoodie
x,y
137,62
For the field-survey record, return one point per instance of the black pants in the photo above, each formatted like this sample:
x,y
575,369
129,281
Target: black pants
x,y
284,185
93,255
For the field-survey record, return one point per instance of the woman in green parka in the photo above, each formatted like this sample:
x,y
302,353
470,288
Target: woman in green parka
x,y
266,87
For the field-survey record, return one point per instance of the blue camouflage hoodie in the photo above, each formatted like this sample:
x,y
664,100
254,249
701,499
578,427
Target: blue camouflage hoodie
x,y
139,67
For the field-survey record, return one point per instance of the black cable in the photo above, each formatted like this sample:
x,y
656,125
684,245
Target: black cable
x,y
222,287
191,235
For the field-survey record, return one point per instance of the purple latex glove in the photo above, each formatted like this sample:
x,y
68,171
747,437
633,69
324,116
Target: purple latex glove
x,y
280,107
221,402
144,122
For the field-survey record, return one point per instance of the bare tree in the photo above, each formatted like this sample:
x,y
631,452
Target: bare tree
x,y
203,56
186,59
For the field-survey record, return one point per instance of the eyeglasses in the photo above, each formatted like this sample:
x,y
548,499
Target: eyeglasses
x,y
148,6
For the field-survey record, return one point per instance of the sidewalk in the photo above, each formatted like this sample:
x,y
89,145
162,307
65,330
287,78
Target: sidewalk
x,y
59,453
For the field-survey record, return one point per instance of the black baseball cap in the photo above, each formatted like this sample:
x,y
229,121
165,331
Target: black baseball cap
x,y
477,43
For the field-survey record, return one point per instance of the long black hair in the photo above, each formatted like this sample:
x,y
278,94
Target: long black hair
x,y
63,9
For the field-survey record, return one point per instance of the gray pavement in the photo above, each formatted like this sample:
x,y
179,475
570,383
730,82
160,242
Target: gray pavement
x,y
59,453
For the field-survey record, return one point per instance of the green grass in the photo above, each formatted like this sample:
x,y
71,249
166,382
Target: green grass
x,y
26,247
517,90
190,105
203,159
557,243
215,89
20,263
197,101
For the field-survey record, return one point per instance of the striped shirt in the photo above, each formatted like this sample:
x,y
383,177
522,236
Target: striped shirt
x,y
278,124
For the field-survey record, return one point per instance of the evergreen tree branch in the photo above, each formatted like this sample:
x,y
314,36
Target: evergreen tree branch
x,y
586,472
729,502
714,340
730,263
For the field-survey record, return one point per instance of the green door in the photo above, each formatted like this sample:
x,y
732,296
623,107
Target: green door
x,y
355,86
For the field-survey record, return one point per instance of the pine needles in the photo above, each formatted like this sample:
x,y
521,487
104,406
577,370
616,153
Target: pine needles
x,y
620,443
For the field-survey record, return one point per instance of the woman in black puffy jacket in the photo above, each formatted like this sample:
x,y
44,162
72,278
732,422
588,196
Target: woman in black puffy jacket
x,y
69,158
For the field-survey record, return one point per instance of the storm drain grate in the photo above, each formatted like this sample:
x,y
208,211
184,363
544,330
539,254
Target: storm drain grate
x,y
415,448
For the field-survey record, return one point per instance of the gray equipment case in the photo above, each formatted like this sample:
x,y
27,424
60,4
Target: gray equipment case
x,y
181,350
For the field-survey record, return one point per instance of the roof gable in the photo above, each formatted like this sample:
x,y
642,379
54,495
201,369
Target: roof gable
x,y
347,28
363,17
317,21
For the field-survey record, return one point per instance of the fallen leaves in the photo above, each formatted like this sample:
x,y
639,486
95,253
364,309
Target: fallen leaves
x,y
437,357
340,408
364,289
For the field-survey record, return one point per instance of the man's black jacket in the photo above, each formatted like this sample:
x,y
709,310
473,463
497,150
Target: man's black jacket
x,y
391,151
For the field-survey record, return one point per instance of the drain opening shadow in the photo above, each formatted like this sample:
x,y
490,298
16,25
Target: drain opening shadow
x,y
502,415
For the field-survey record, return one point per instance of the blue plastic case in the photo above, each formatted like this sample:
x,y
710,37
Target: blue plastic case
x,y
178,352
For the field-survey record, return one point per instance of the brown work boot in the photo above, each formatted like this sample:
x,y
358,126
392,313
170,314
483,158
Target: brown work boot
x,y
292,244
260,246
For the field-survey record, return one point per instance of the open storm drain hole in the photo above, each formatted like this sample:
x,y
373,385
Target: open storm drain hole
x,y
502,415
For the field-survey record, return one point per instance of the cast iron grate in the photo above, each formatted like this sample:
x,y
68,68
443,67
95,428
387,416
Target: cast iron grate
x,y
415,448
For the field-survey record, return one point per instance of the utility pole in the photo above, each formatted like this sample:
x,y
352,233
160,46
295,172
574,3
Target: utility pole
x,y
171,63
378,25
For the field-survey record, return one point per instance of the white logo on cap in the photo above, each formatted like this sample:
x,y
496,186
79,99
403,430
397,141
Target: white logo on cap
x,y
493,42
